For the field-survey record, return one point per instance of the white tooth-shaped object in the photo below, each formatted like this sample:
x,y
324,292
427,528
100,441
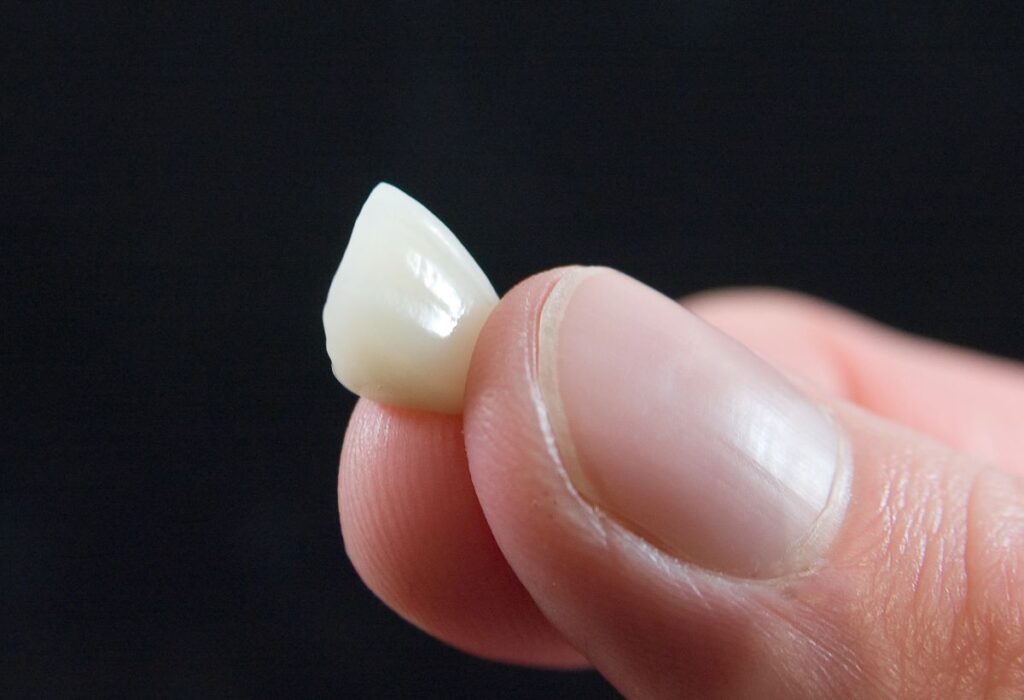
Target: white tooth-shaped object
x,y
405,307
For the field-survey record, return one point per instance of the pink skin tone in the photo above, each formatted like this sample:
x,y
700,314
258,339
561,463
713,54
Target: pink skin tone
x,y
476,531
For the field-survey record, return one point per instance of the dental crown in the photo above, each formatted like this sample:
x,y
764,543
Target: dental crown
x,y
405,307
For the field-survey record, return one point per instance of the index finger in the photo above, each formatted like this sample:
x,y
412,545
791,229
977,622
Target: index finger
x,y
970,401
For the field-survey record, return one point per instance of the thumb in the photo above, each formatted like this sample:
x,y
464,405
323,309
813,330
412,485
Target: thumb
x,y
693,524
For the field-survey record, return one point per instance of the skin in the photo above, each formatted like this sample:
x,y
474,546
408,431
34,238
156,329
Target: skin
x,y
465,527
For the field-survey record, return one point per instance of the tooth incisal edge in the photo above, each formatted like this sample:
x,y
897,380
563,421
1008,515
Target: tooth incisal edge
x,y
405,307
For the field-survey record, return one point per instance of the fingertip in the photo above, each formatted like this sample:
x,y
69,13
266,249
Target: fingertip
x,y
414,531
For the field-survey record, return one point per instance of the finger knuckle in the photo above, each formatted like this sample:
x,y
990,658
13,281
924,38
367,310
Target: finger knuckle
x,y
951,578
994,566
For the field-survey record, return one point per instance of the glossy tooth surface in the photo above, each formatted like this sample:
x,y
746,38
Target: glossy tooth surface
x,y
405,307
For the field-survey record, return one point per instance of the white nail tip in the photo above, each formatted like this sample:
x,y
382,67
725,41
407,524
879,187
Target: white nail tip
x,y
406,306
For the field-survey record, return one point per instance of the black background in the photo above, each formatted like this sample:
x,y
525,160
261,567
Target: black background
x,y
179,184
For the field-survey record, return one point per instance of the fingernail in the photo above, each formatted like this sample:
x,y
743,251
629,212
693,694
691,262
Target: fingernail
x,y
682,434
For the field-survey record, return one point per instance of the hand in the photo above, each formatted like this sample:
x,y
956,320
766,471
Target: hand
x,y
631,488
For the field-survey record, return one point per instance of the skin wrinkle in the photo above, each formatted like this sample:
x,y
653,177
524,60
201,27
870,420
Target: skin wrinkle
x,y
841,656
992,566
822,612
940,607
870,555
927,534
980,652
701,599
947,654
900,551
832,668
917,536
958,576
